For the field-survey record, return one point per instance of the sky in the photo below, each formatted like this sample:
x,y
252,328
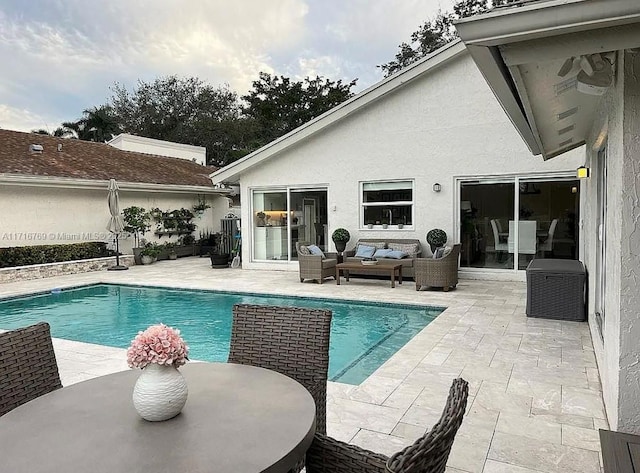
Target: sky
x,y
59,57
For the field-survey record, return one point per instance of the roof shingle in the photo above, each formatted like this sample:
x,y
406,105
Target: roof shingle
x,y
94,161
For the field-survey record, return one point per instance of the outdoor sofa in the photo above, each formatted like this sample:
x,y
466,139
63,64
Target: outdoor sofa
x,y
410,246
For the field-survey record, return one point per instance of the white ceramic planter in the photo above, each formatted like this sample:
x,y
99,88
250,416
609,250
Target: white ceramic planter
x,y
160,392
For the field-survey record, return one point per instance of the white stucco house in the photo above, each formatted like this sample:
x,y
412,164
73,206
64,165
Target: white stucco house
x,y
567,73
54,190
429,147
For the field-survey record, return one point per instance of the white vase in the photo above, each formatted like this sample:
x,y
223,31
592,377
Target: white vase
x,y
160,392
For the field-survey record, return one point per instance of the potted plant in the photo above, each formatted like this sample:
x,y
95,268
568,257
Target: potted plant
x,y
218,258
436,238
340,237
201,206
136,221
149,253
171,250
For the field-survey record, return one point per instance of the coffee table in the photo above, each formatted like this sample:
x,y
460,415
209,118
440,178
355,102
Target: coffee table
x,y
393,269
237,419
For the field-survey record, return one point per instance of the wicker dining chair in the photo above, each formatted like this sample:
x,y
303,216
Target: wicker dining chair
x,y
28,367
428,454
442,272
293,341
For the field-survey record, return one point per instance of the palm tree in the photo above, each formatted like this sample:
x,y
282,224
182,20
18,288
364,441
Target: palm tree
x,y
59,132
97,124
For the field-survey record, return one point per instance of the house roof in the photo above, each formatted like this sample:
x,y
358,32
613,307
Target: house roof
x,y
231,173
88,161
521,50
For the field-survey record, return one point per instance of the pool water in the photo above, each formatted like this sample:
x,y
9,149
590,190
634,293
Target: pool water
x,y
363,335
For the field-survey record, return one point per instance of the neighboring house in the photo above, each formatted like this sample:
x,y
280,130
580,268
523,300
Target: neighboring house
x,y
140,144
54,190
428,147
544,62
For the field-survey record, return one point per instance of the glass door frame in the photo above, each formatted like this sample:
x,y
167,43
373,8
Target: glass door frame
x,y
504,179
288,190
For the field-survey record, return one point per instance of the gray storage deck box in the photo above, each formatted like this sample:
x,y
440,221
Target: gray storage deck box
x,y
556,289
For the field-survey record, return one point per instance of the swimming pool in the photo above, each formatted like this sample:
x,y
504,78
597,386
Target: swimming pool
x,y
363,335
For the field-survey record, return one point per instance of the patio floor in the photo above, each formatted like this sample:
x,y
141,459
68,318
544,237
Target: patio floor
x,y
535,396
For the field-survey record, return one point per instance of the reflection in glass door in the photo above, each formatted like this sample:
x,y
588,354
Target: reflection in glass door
x,y
494,235
485,210
549,216
283,217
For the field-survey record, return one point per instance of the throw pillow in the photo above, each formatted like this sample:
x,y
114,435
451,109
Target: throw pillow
x,y
315,250
364,251
303,250
382,253
447,250
438,253
410,248
375,244
397,254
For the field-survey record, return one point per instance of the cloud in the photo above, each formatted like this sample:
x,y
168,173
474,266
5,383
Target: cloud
x,y
25,120
64,56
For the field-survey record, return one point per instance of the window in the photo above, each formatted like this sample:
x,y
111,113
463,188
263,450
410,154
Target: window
x,y
387,203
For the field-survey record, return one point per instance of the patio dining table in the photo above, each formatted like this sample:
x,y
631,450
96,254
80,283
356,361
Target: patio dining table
x,y
237,419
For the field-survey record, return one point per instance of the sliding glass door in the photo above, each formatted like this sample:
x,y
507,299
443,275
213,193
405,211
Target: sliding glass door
x,y
494,235
282,217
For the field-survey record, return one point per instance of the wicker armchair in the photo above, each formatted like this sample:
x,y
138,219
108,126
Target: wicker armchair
x,y
313,266
428,454
28,367
290,340
442,272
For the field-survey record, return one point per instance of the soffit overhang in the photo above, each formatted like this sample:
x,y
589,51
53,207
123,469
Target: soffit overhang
x,y
520,51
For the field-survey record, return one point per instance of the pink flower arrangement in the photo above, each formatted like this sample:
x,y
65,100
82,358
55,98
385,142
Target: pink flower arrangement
x,y
158,344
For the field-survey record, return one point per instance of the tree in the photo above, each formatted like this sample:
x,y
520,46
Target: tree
x,y
278,105
182,110
434,34
97,124
58,132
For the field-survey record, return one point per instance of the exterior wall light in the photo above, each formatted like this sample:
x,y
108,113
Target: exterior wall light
x,y
437,187
583,172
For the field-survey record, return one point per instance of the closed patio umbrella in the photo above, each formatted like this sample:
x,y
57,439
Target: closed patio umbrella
x,y
116,223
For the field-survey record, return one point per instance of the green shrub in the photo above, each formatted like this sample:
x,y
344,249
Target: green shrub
x,y
41,254
436,237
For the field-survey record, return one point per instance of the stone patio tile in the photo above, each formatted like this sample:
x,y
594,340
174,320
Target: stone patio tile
x,y
531,427
436,357
601,424
494,397
545,396
424,417
487,374
380,443
562,376
404,396
408,431
564,419
492,466
342,432
582,402
366,416
540,455
588,439
469,451
376,389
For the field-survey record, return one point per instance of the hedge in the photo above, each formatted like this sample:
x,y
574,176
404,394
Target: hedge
x,y
40,254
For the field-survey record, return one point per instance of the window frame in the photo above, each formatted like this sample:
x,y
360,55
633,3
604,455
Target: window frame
x,y
411,203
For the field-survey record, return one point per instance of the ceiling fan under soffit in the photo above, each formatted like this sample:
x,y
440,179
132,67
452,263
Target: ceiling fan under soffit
x,y
594,72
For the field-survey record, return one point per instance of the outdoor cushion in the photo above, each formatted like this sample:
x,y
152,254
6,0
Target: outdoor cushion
x,y
315,250
382,253
364,251
375,244
439,252
303,250
329,263
396,254
410,248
